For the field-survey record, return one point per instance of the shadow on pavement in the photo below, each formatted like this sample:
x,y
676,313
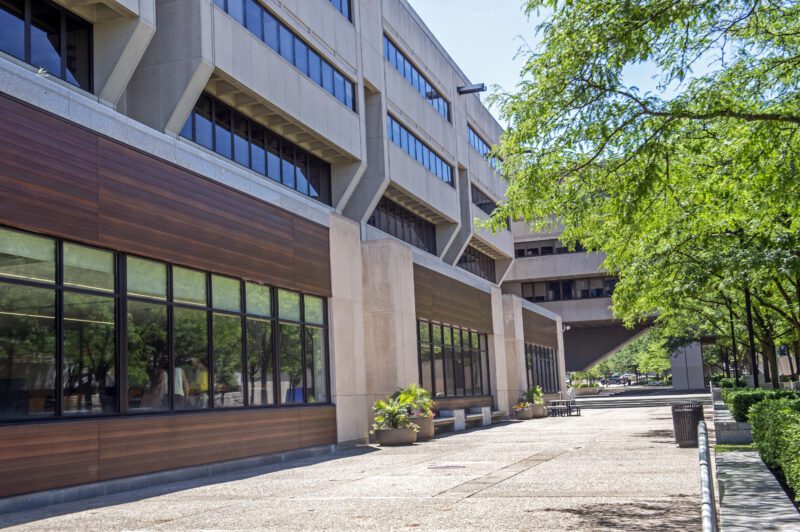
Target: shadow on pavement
x,y
678,512
28,516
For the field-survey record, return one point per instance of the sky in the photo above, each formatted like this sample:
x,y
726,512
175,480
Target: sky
x,y
484,36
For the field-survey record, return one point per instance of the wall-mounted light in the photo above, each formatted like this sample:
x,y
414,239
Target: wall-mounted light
x,y
470,89
565,328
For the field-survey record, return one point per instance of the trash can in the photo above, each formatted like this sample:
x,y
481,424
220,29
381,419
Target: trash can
x,y
685,417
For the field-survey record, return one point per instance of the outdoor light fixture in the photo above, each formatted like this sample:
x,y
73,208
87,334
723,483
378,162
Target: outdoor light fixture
x,y
565,328
470,89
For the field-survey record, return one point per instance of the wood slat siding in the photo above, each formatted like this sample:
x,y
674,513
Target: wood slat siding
x,y
62,180
441,298
42,456
539,330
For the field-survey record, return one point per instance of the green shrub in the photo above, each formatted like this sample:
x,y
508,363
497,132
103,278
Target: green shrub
x,y
739,400
533,395
776,433
729,382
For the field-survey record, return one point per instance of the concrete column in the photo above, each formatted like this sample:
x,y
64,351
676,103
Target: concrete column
x,y
562,364
121,43
176,66
348,379
390,338
516,375
498,360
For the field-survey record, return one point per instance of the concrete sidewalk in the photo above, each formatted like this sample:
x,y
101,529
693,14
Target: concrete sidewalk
x,y
608,469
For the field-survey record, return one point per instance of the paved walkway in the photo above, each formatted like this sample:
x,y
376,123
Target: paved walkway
x,y
608,469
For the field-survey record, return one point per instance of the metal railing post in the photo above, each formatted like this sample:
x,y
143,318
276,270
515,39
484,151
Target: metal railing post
x,y
708,505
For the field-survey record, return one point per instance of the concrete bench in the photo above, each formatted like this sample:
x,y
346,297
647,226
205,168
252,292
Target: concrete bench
x,y
455,417
498,414
481,414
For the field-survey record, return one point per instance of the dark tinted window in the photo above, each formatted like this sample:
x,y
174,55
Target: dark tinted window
x,y
12,27
401,223
478,263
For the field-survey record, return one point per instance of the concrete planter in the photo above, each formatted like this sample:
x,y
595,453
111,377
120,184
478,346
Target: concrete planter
x,y
425,427
390,437
539,411
525,413
592,390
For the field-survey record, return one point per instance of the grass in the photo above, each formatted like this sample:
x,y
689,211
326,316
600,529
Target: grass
x,y
734,448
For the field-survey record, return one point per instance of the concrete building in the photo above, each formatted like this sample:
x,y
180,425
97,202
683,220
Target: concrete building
x,y
228,226
572,285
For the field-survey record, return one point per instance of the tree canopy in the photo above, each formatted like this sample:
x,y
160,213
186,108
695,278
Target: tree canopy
x,y
691,188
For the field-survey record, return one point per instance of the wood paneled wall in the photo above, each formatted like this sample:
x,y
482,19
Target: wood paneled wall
x,y
441,298
41,456
539,330
60,179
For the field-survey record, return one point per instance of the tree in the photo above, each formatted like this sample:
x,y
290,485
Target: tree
x,y
690,189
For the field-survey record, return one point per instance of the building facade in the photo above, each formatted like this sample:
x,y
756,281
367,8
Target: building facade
x,y
228,226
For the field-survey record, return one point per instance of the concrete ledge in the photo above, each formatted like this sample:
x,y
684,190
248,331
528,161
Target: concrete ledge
x,y
108,487
727,429
750,497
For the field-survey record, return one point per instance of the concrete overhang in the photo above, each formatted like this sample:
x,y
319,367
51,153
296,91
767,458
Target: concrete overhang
x,y
498,245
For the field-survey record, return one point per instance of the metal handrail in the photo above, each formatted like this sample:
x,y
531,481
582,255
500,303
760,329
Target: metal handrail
x,y
708,504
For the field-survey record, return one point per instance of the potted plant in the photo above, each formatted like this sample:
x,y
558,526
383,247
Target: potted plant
x,y
392,424
420,408
523,410
535,396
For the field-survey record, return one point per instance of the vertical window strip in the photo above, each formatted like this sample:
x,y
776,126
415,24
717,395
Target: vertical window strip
x,y
420,83
479,145
275,34
418,150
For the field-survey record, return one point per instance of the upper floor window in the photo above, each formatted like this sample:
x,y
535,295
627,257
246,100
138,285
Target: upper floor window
x,y
49,37
482,147
569,289
401,63
218,127
482,201
477,263
343,7
418,150
401,223
261,23
544,247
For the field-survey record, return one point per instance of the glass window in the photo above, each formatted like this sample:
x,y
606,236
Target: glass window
x,y
316,373
301,165
327,77
290,363
314,67
258,154
338,86
301,56
271,31
222,131
78,53
597,287
147,278
241,140
287,166
27,351
89,351
87,267
288,305
226,293
227,361
190,381
287,43
27,256
273,158
313,310
608,286
12,27
236,10
582,288
259,299
203,130
348,95
148,383
188,286
425,366
45,39
254,24
260,389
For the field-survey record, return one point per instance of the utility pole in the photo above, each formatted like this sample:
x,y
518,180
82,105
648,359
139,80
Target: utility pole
x,y
751,336
733,341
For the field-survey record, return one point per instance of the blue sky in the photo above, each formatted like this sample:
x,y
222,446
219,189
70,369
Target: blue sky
x,y
483,37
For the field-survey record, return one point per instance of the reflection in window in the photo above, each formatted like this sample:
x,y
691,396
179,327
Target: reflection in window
x,y
418,150
477,263
401,223
542,367
290,363
27,351
316,372
260,389
26,256
227,361
402,64
459,360
148,360
482,147
50,26
86,267
147,278
89,379
190,388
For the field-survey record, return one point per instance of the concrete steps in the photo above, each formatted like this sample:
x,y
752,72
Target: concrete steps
x,y
638,402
